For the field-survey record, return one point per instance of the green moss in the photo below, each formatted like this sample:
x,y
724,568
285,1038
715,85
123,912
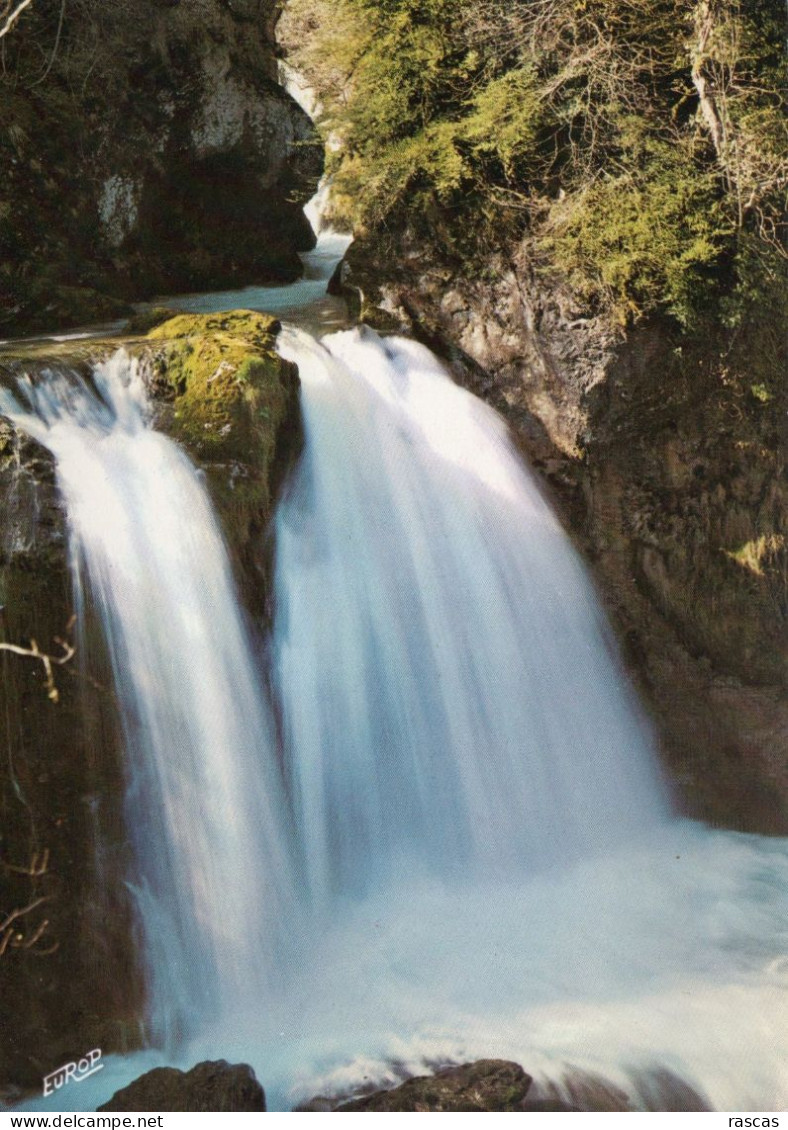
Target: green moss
x,y
232,395
645,239
225,374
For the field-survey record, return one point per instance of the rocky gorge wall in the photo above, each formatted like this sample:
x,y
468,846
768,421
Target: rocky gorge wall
x,y
666,453
147,148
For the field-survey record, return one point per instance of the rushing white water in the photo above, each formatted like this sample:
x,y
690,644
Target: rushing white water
x,y
304,302
204,806
449,696
491,862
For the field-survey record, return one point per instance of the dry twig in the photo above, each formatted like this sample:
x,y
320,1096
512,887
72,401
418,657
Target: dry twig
x,y
11,14
34,652
14,937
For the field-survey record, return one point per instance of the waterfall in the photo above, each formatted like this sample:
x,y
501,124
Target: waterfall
x,y
449,693
487,843
204,806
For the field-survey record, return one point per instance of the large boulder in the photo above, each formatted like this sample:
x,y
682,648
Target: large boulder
x,y
499,1085
159,154
211,1086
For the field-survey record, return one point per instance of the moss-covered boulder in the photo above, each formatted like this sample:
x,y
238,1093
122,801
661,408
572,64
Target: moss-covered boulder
x,y
225,375
232,402
151,151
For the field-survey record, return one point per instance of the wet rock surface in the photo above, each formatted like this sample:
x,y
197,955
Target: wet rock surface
x,y
211,1086
64,848
500,1085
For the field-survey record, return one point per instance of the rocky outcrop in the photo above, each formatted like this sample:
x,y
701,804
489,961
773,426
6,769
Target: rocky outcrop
x,y
667,455
211,1086
225,394
69,967
158,154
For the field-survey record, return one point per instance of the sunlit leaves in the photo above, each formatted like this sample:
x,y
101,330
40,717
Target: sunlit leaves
x,y
575,120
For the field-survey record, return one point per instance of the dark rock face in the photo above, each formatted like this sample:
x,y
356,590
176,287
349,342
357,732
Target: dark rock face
x,y
489,1084
174,161
209,1086
242,426
667,457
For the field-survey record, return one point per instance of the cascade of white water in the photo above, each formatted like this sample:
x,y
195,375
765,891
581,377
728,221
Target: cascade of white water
x,y
491,860
484,834
204,805
448,691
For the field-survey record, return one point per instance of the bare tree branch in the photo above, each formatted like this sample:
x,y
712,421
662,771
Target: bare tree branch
x,y
13,935
12,16
33,652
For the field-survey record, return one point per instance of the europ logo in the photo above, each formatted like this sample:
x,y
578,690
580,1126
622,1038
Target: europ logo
x,y
73,1072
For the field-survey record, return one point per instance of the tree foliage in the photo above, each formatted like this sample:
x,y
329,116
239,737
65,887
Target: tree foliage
x,y
642,143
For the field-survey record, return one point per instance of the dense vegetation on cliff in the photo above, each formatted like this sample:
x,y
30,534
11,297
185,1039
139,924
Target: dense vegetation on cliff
x,y
642,143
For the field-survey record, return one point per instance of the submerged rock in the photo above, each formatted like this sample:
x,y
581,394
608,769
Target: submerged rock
x,y
488,1085
500,1085
212,1086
